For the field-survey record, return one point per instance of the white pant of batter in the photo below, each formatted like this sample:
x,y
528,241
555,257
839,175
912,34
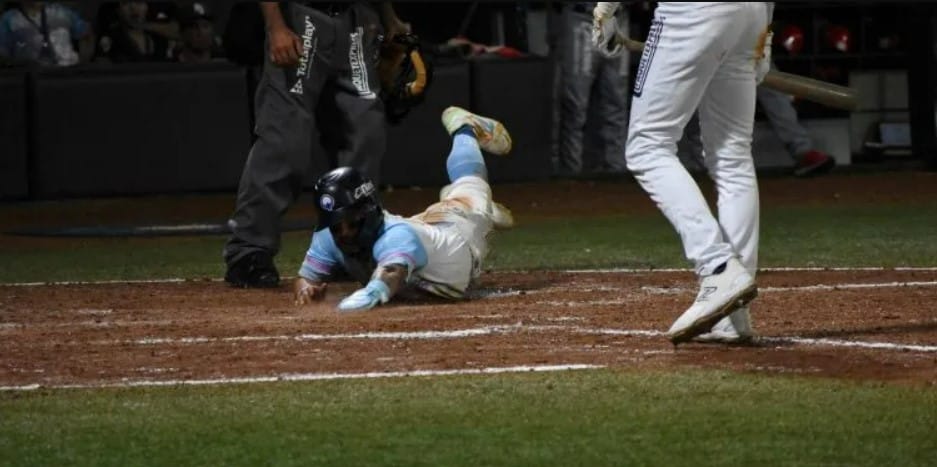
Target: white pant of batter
x,y
701,55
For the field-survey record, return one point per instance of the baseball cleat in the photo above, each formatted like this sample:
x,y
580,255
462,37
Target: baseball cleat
x,y
814,162
254,270
491,134
720,294
501,216
733,329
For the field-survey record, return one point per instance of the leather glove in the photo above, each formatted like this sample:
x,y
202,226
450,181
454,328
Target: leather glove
x,y
373,294
605,36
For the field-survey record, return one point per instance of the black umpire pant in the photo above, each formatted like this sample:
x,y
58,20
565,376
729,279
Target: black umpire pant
x,y
333,91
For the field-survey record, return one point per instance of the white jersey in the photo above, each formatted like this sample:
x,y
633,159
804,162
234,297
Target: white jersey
x,y
443,247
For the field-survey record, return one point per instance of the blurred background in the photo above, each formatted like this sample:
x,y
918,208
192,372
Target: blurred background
x,y
168,107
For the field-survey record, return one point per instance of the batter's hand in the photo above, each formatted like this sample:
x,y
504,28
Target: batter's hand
x,y
605,36
306,291
285,47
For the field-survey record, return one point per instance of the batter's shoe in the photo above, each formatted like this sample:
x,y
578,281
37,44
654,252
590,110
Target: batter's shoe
x,y
814,162
733,329
729,288
491,134
254,270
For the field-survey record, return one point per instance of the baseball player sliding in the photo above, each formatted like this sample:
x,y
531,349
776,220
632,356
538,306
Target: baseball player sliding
x,y
439,251
709,56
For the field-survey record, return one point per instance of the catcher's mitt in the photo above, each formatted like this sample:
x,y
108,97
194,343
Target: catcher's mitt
x,y
405,76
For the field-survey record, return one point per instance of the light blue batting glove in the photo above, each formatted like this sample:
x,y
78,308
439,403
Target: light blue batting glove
x,y
373,294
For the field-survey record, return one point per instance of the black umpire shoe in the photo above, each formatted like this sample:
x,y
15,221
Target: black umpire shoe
x,y
254,270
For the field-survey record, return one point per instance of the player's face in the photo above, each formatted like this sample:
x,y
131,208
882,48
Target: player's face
x,y
346,231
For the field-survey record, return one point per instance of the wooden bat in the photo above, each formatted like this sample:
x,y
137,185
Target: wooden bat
x,y
833,95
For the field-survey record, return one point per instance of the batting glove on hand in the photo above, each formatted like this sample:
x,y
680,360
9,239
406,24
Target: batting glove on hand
x,y
605,35
763,63
375,293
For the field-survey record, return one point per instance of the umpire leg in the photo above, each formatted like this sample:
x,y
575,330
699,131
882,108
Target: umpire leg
x,y
279,159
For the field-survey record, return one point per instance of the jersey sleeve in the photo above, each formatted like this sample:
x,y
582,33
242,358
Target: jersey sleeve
x,y
322,257
400,245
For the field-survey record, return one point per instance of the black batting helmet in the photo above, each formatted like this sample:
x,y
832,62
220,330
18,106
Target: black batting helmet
x,y
344,194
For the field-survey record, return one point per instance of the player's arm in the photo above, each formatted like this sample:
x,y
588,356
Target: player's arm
x,y
285,45
321,259
386,281
398,253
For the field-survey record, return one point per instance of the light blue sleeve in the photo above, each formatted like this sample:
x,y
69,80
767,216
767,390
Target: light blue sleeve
x,y
400,245
322,257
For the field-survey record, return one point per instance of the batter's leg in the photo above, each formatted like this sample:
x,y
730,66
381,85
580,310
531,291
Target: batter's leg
x,y
676,67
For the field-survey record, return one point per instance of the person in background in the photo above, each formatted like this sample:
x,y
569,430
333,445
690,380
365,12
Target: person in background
x,y
198,41
125,38
44,34
594,86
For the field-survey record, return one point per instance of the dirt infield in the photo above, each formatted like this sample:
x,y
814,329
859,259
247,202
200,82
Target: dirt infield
x,y
861,324
857,324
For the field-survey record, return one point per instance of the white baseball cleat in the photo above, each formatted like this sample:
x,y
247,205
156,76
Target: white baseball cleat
x,y
720,294
733,329
501,216
491,134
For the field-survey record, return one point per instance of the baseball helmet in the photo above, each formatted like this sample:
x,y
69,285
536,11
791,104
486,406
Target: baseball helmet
x,y
344,194
839,38
791,38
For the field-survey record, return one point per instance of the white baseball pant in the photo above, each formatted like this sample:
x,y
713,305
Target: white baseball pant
x,y
701,55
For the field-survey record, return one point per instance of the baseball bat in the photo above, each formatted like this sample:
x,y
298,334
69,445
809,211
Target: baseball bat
x,y
822,92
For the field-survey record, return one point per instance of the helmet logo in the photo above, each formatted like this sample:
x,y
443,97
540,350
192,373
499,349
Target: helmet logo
x,y
365,189
327,202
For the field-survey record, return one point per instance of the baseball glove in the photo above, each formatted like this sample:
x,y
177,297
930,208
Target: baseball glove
x,y
405,76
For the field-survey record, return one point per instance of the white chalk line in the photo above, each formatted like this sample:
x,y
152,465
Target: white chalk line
x,y
654,290
771,269
490,330
172,280
310,377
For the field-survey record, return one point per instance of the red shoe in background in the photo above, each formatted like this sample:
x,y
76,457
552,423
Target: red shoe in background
x,y
814,162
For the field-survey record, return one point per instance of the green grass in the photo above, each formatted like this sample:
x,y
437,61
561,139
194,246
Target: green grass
x,y
790,236
602,417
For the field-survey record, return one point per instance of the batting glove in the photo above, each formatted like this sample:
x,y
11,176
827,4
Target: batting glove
x,y
605,35
373,294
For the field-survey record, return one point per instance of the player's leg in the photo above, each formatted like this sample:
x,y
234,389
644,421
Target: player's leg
x,y
578,71
783,118
272,177
726,124
465,165
677,63
612,88
680,58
